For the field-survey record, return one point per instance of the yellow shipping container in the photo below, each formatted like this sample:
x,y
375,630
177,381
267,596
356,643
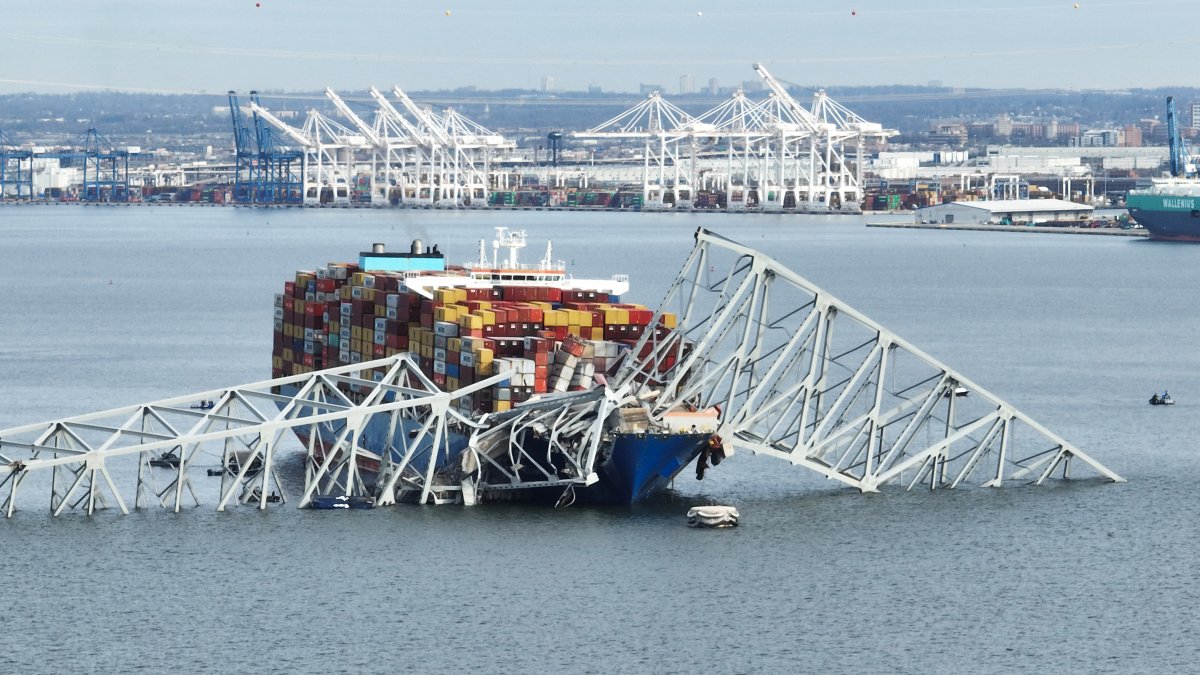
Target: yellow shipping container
x,y
471,321
356,332
668,319
597,333
575,329
449,313
489,317
485,369
451,383
503,406
483,357
427,351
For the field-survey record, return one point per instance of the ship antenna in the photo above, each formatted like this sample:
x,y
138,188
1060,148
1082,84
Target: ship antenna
x,y
483,261
547,261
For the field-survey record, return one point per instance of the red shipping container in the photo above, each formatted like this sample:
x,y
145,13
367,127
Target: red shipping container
x,y
379,351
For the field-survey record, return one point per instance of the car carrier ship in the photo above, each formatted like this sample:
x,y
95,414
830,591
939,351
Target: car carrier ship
x,y
1169,209
461,324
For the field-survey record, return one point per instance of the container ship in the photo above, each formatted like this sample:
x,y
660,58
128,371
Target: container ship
x,y
1169,209
463,324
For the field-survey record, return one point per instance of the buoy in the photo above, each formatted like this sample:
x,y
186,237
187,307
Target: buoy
x,y
447,12
699,13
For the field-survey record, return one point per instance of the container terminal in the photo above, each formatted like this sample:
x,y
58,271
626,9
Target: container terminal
x,y
744,154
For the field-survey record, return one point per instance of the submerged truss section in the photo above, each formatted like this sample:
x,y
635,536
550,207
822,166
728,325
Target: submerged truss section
x,y
791,371
801,376
153,451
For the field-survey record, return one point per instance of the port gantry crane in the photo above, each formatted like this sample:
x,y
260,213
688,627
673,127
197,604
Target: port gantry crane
x,y
16,170
771,155
793,372
661,126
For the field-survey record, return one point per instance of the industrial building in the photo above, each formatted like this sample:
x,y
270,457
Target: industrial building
x,y
1004,212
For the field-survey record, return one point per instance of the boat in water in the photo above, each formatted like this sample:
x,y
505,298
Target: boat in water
x,y
1162,399
1169,209
558,336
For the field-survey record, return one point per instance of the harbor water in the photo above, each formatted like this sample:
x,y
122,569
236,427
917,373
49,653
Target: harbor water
x,y
107,306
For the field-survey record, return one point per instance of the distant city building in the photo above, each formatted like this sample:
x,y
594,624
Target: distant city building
x,y
1101,138
594,89
687,84
948,133
1133,136
1196,115
547,83
647,89
750,86
713,89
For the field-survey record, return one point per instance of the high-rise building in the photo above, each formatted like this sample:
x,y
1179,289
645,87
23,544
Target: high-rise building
x,y
1196,115
547,83
687,84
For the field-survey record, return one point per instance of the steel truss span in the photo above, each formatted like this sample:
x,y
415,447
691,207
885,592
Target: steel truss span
x,y
795,373
801,376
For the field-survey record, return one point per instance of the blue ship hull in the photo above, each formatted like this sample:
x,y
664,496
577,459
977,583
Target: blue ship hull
x,y
637,467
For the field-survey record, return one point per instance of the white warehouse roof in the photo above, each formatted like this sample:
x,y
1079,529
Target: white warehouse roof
x,y
1000,209
1025,205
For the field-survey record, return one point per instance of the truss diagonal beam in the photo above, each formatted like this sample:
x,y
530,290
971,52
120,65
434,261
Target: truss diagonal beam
x,y
800,375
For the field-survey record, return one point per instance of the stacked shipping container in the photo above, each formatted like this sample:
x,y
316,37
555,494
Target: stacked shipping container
x,y
553,339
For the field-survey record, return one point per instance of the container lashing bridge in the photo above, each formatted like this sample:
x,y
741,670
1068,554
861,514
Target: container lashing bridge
x,y
795,373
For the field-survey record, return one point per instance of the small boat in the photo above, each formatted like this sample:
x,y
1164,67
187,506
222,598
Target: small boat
x,y
323,502
1164,399
204,405
167,460
712,516
957,391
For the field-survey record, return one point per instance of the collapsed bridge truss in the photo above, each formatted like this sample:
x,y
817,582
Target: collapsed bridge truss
x,y
801,376
795,373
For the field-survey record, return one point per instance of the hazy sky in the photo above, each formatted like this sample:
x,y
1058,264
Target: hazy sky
x,y
217,45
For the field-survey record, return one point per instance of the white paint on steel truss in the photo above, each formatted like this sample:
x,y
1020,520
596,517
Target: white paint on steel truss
x,y
240,430
801,376
795,373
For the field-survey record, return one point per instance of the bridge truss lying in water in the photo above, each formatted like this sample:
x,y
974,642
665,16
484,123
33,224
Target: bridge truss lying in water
x,y
794,373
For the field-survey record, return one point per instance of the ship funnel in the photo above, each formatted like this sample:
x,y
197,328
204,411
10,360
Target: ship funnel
x,y
417,247
377,248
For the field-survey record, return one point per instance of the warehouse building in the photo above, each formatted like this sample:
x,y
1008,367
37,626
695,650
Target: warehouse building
x,y
1004,211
